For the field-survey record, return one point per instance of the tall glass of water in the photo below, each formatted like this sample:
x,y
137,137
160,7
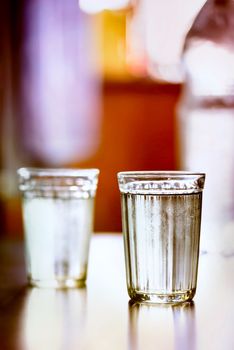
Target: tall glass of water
x,y
161,216
58,222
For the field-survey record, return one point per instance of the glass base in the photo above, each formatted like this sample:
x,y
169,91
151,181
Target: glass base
x,y
58,283
162,298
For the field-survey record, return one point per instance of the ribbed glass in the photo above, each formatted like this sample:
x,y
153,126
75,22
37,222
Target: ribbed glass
x,y
58,222
161,214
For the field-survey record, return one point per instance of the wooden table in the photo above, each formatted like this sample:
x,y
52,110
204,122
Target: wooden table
x,y
100,317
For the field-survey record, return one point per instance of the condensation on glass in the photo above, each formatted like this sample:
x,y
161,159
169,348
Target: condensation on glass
x,y
58,222
161,215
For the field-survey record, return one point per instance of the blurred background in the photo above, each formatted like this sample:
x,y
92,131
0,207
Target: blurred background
x,y
95,83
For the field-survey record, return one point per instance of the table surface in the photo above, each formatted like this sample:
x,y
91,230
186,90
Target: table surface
x,y
99,316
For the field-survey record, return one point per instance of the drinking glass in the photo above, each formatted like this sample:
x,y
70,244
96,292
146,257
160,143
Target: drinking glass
x,y
58,222
161,216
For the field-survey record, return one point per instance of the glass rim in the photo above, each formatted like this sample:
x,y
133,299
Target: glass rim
x,y
56,180
161,182
27,172
158,173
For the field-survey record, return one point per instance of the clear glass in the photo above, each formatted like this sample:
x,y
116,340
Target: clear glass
x,y
161,215
58,222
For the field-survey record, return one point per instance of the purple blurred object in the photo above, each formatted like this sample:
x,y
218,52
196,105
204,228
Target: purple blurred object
x,y
60,84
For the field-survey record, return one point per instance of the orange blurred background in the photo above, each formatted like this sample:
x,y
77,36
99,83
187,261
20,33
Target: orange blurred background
x,y
135,120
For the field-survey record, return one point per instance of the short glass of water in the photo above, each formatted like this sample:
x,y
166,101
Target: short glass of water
x,y
161,216
58,222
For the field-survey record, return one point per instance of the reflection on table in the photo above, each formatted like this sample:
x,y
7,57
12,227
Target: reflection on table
x,y
100,315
